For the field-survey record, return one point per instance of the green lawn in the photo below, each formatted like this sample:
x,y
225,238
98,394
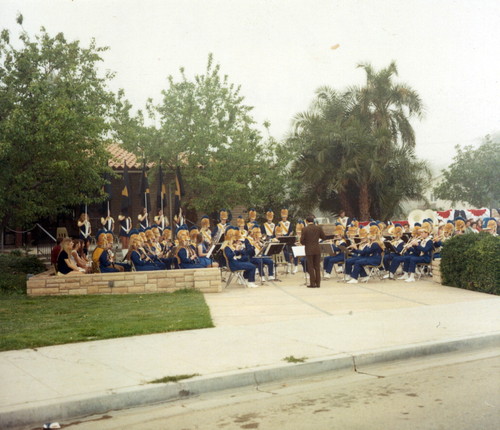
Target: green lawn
x,y
33,322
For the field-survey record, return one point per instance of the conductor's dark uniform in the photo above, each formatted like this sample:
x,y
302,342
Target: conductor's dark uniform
x,y
310,237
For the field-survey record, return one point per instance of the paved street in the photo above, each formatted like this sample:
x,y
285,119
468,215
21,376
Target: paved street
x,y
255,330
459,391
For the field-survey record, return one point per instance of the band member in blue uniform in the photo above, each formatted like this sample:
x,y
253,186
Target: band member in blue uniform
x,y
397,232
234,251
423,253
223,224
358,250
240,223
253,246
252,218
330,260
108,222
205,229
143,218
268,227
139,257
125,228
85,230
161,221
202,250
186,254
371,255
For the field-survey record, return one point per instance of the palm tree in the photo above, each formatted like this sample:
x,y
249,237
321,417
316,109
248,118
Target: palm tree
x,y
387,106
351,143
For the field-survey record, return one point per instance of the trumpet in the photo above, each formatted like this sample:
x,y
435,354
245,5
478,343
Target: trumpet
x,y
410,244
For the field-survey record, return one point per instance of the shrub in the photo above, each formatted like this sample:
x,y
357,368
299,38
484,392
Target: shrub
x,y
13,270
472,261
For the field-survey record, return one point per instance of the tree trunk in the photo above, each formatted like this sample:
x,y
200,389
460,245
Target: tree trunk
x,y
364,202
345,204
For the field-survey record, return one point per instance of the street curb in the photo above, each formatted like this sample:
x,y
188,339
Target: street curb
x,y
102,402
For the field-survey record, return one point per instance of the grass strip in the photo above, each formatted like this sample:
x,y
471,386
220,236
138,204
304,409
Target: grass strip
x,y
175,378
28,322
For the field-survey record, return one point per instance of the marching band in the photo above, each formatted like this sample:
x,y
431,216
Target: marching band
x,y
354,248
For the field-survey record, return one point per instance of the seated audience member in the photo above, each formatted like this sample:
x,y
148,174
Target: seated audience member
x,y
78,257
64,263
55,252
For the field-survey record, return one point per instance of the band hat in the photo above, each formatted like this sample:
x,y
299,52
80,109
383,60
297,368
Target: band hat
x,y
269,213
229,233
363,233
460,224
339,230
223,214
491,224
488,222
427,227
284,212
374,230
205,221
398,230
252,213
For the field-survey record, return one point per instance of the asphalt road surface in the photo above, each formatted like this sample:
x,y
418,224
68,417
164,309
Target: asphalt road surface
x,y
452,391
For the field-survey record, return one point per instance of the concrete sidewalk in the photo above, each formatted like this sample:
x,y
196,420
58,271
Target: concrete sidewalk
x,y
333,327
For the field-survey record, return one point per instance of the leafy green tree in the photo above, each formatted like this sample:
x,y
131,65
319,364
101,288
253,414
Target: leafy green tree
x,y
474,176
207,130
53,125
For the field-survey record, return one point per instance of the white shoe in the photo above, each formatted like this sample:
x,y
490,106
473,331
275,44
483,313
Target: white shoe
x,y
295,269
340,269
348,277
388,276
405,276
271,278
364,279
353,281
410,280
327,276
252,285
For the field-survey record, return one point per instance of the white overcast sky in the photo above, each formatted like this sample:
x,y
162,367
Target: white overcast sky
x,y
279,52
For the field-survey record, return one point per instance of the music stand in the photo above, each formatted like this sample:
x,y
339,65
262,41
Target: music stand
x,y
326,248
300,251
288,241
345,251
273,248
390,247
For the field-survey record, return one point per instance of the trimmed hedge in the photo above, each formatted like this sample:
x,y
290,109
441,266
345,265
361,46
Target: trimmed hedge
x,y
13,270
472,261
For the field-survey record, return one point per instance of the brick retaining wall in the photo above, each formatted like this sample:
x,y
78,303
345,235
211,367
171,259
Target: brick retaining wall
x,y
164,281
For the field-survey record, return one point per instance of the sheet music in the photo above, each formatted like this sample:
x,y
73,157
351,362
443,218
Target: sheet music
x,y
299,251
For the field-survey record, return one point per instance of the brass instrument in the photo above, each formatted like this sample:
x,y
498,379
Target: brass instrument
x,y
410,244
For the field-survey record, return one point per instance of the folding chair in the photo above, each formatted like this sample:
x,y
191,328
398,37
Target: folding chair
x,y
375,270
424,268
234,274
279,260
61,232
